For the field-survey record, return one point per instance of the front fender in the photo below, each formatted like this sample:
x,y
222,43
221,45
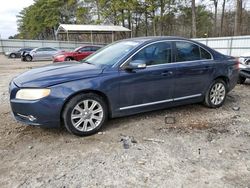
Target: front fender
x,y
108,85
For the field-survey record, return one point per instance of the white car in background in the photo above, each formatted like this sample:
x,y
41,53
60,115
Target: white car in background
x,y
244,67
38,54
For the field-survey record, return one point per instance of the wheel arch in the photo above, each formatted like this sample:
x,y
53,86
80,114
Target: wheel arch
x,y
225,79
12,54
106,100
71,57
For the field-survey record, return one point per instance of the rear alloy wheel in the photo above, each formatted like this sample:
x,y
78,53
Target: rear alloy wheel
x,y
241,80
12,55
85,114
28,58
216,94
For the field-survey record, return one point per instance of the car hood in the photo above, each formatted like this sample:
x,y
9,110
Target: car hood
x,y
56,74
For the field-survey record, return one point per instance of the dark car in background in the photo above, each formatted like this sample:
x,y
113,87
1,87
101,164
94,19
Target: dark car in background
x,y
77,55
17,54
127,77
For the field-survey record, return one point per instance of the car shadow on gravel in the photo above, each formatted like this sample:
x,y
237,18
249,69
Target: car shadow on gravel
x,y
173,112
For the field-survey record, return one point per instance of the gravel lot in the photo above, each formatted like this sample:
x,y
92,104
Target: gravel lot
x,y
203,148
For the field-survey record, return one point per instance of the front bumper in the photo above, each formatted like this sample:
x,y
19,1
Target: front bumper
x,y
56,59
43,112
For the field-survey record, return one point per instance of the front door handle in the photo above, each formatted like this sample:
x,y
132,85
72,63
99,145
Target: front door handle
x,y
167,73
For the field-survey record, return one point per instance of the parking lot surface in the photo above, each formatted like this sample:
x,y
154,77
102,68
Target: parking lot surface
x,y
202,148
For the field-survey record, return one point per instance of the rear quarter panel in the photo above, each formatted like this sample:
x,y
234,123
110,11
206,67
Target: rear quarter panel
x,y
227,67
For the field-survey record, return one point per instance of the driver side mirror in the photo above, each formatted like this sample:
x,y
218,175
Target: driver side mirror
x,y
136,64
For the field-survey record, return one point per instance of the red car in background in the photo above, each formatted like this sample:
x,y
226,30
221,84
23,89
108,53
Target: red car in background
x,y
77,55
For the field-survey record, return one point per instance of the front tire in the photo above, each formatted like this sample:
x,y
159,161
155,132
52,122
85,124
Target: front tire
x,y
85,114
216,94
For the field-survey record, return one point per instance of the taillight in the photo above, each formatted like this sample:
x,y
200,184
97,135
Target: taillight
x,y
237,63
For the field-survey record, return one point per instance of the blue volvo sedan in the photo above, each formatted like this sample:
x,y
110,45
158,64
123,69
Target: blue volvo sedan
x,y
126,77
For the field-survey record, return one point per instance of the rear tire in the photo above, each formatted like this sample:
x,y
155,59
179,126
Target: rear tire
x,y
241,80
12,56
28,58
85,114
216,94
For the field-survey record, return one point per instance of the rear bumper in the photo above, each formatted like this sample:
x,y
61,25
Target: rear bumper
x,y
245,73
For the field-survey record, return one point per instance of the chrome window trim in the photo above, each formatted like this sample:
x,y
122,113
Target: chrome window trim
x,y
159,102
180,62
170,40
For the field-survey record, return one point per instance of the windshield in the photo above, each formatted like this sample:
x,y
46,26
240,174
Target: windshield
x,y
112,53
78,48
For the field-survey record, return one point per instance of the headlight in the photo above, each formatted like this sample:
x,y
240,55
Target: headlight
x,y
60,56
32,94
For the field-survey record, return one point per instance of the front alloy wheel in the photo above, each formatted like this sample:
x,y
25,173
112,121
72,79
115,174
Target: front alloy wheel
x,y
85,114
216,94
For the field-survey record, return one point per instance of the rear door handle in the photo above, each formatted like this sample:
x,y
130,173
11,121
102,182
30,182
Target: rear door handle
x,y
167,73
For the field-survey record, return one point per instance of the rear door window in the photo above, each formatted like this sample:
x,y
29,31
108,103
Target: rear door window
x,y
95,48
50,49
186,51
205,54
41,49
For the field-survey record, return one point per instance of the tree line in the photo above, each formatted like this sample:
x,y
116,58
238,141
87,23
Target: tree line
x,y
187,18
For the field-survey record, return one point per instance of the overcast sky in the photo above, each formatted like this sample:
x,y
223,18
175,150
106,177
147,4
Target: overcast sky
x,y
8,11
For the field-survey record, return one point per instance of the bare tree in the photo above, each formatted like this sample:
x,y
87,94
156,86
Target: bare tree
x,y
193,19
162,5
222,17
215,16
238,17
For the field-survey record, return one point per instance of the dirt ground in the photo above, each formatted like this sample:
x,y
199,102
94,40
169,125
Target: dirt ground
x,y
203,148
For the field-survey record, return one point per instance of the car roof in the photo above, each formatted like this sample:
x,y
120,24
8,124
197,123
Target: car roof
x,y
149,39
90,45
155,38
